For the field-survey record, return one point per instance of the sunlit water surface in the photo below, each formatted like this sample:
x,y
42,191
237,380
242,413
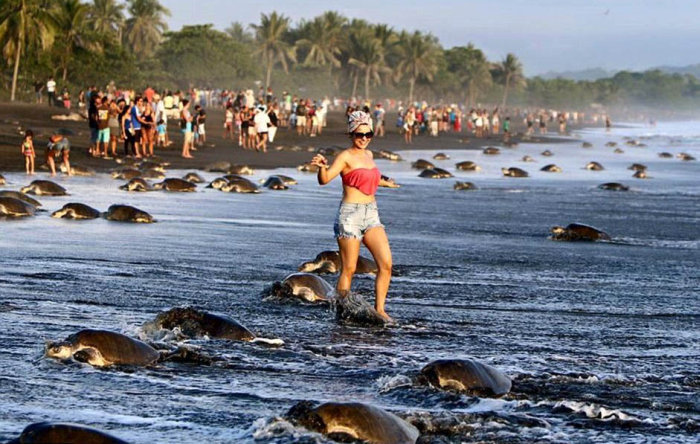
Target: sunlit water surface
x,y
601,339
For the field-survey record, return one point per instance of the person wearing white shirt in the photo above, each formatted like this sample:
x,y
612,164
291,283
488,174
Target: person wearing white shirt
x,y
51,89
262,120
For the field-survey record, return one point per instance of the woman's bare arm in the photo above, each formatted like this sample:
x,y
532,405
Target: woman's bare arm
x,y
326,173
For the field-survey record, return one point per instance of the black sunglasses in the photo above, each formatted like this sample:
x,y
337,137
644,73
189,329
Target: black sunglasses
x,y
368,135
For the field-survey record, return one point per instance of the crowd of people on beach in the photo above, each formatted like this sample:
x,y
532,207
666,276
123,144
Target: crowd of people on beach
x,y
139,119
432,120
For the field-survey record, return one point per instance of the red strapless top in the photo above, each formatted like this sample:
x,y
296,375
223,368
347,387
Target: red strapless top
x,y
364,179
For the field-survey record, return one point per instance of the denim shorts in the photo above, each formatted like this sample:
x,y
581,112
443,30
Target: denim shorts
x,y
354,219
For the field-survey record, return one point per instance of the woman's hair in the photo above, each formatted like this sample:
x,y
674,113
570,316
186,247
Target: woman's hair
x,y
28,133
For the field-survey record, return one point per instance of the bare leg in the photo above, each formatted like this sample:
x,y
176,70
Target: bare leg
x,y
349,252
378,244
66,162
52,164
263,143
187,146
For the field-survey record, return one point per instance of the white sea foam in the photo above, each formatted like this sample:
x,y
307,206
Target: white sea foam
x,y
271,428
595,411
268,341
389,383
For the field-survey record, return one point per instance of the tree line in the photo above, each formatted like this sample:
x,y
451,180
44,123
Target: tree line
x,y
129,43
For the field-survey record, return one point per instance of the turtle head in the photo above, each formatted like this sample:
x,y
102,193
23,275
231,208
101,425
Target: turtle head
x,y
142,217
557,230
59,350
307,267
218,183
304,413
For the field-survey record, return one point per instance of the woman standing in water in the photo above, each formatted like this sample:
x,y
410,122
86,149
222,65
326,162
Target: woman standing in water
x,y
358,216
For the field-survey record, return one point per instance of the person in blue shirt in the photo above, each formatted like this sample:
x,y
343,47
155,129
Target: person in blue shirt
x,y
136,122
161,130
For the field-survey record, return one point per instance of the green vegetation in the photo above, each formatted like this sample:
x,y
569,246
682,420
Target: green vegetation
x,y
81,44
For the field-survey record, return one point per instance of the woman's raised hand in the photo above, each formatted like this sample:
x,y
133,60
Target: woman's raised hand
x,y
319,160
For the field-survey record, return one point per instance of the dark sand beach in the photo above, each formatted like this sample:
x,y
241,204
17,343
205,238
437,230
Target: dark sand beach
x,y
17,117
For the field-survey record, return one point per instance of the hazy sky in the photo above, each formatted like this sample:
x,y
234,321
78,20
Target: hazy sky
x,y
556,35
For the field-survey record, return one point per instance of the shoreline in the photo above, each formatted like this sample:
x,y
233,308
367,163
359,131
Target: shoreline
x,y
296,150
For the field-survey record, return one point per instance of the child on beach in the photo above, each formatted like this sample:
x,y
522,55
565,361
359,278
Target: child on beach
x,y
27,149
201,131
161,133
228,122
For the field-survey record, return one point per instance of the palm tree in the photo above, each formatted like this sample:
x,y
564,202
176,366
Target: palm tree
x,y
323,41
477,75
334,20
471,68
353,27
418,58
23,23
367,54
388,40
106,17
512,71
240,33
145,27
387,37
272,47
72,31
319,52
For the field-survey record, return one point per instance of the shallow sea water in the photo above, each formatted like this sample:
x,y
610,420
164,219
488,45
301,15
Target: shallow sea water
x,y
601,339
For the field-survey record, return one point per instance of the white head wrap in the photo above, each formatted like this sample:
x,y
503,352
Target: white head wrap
x,y
358,118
